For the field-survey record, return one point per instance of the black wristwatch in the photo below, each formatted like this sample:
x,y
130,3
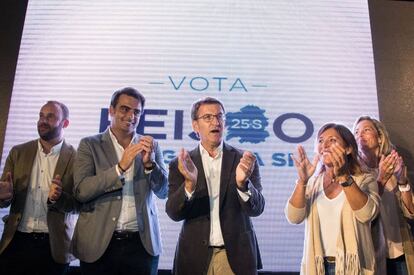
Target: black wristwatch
x,y
348,182
153,165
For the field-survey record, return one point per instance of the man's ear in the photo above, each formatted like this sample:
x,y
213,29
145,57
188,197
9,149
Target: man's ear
x,y
65,123
111,111
194,123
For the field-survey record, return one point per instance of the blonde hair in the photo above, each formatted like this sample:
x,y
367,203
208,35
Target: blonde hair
x,y
385,144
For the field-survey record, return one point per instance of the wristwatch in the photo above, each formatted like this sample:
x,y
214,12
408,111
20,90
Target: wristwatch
x,y
404,188
153,165
348,182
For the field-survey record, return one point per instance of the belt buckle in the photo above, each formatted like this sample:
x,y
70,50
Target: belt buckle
x,y
119,235
330,259
39,236
123,235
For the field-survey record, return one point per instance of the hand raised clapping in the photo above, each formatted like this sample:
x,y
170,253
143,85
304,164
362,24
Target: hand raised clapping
x,y
55,190
245,169
339,160
387,166
304,167
188,170
145,146
6,188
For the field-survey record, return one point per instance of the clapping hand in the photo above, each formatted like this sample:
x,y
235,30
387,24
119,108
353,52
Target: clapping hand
x,y
245,169
147,145
387,166
6,188
400,171
128,157
188,170
55,190
339,160
304,167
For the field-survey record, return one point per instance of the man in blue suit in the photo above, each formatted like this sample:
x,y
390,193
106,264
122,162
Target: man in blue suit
x,y
116,174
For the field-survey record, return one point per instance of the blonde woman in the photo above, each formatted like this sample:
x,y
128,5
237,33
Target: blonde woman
x,y
391,232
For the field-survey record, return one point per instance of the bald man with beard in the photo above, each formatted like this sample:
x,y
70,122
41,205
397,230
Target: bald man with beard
x,y
37,184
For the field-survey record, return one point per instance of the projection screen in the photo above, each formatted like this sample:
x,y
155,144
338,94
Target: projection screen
x,y
281,68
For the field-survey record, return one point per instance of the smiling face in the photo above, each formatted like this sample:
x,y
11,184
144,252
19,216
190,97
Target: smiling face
x,y
125,115
367,136
325,142
210,132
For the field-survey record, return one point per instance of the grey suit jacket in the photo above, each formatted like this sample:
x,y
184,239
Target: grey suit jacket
x,y
192,256
60,216
98,186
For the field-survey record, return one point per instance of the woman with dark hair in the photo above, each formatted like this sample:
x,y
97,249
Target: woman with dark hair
x,y
338,202
391,232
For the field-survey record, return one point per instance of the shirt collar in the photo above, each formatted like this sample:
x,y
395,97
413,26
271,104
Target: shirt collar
x,y
55,150
219,150
134,139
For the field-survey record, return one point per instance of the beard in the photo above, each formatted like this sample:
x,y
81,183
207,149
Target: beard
x,y
50,133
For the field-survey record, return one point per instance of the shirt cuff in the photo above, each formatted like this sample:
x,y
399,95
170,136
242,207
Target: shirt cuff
x,y
404,188
120,175
245,196
149,170
50,202
188,194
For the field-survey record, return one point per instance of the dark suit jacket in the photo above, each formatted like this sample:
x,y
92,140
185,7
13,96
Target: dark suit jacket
x,y
192,256
98,186
60,218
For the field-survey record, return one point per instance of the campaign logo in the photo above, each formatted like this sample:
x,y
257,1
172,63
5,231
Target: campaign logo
x,y
248,125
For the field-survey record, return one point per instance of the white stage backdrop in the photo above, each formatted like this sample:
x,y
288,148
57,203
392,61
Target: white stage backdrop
x,y
282,68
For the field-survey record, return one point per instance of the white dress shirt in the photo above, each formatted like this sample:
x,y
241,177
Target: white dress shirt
x,y
212,172
35,210
127,220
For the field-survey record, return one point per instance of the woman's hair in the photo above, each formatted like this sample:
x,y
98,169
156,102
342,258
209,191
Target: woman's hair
x,y
349,140
385,145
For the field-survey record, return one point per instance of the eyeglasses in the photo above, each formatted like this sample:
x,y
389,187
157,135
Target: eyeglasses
x,y
210,117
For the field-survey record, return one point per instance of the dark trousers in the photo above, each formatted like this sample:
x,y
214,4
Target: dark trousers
x,y
125,255
397,266
29,253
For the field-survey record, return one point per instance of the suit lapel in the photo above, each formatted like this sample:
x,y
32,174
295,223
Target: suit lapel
x,y
138,167
108,148
201,178
226,171
63,161
28,161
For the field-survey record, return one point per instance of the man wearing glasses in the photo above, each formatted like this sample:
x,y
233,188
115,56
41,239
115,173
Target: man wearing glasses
x,y
214,189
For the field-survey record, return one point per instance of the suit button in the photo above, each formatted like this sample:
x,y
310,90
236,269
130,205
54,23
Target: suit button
x,y
114,219
119,197
204,242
